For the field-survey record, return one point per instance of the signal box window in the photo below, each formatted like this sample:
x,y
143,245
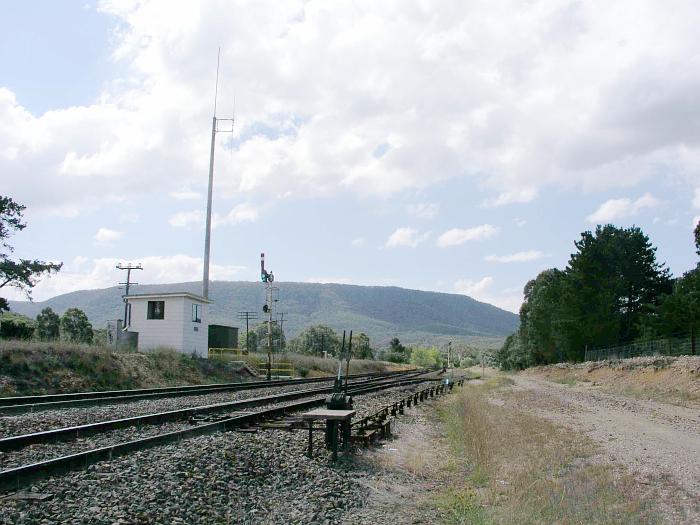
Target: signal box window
x,y
196,313
156,310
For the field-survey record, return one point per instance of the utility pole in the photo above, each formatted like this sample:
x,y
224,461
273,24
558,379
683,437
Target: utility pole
x,y
214,130
280,320
128,267
248,316
268,278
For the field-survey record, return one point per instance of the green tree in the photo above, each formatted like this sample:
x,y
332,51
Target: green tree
x,y
278,339
398,353
613,281
426,357
249,341
361,348
22,274
539,316
315,340
14,326
48,324
679,312
76,327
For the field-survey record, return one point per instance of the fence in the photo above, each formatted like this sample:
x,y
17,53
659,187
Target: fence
x,y
671,346
226,353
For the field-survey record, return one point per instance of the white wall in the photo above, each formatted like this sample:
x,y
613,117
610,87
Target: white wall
x,y
176,330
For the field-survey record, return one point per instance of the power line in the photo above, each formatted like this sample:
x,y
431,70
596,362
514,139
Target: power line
x,y
128,284
248,316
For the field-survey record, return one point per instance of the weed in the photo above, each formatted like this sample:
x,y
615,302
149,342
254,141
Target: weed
x,y
522,469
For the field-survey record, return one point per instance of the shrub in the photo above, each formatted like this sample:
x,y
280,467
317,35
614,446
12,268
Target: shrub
x,y
16,327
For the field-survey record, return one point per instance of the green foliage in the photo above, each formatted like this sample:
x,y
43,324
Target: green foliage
x,y
426,357
249,341
13,326
278,339
22,274
314,340
397,352
679,312
610,290
76,327
361,348
48,325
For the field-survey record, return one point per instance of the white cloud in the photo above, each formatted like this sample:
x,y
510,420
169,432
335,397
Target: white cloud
x,y
472,288
525,256
329,280
335,83
615,209
80,275
519,196
458,236
358,241
240,213
105,236
481,291
520,222
696,198
184,195
184,219
424,210
406,237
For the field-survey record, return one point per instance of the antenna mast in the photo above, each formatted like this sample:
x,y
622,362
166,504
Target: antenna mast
x,y
214,131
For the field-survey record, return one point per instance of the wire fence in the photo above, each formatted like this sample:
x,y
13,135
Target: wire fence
x,y
669,346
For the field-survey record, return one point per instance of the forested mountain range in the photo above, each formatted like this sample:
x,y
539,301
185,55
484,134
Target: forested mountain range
x,y
382,312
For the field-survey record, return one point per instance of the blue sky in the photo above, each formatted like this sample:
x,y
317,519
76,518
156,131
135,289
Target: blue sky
x,y
456,148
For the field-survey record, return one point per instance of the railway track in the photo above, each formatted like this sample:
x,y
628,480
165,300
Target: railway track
x,y
227,416
20,404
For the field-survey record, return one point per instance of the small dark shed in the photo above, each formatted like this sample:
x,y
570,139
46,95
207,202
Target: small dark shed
x,y
221,336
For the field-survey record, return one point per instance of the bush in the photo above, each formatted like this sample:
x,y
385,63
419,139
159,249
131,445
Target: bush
x,y
426,357
16,327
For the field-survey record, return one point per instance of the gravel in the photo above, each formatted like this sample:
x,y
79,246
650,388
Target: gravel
x,y
45,420
221,478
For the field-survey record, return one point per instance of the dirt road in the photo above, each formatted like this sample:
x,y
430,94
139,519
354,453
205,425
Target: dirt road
x,y
657,442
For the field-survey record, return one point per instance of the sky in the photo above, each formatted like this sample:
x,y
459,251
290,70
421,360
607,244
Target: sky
x,y
459,147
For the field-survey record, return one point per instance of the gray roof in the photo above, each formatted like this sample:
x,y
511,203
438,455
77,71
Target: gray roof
x,y
165,295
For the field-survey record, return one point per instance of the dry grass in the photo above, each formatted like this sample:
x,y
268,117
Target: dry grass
x,y
34,367
520,469
312,366
670,380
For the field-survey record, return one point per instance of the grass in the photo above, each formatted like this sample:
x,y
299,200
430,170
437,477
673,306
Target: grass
x,y
32,367
310,366
510,467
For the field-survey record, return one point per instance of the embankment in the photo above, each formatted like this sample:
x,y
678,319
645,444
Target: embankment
x,y
671,379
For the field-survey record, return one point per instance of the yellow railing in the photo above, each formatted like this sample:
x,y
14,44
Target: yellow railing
x,y
277,368
226,353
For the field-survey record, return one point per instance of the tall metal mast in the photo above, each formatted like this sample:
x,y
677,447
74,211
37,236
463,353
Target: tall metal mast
x,y
214,131
268,278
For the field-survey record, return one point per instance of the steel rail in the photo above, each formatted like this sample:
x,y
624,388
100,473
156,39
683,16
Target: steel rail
x,y
19,404
18,477
67,433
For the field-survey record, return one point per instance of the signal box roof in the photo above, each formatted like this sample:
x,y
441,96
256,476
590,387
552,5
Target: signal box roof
x,y
165,295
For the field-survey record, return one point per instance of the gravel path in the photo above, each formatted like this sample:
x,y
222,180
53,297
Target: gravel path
x,y
658,442
223,478
45,420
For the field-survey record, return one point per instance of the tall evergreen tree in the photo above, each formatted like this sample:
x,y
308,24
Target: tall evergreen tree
x,y
48,325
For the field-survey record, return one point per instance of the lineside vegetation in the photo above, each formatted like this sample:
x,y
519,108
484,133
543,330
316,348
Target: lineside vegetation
x,y
509,467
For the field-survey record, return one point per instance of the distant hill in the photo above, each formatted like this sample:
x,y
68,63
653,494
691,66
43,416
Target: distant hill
x,y
383,312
